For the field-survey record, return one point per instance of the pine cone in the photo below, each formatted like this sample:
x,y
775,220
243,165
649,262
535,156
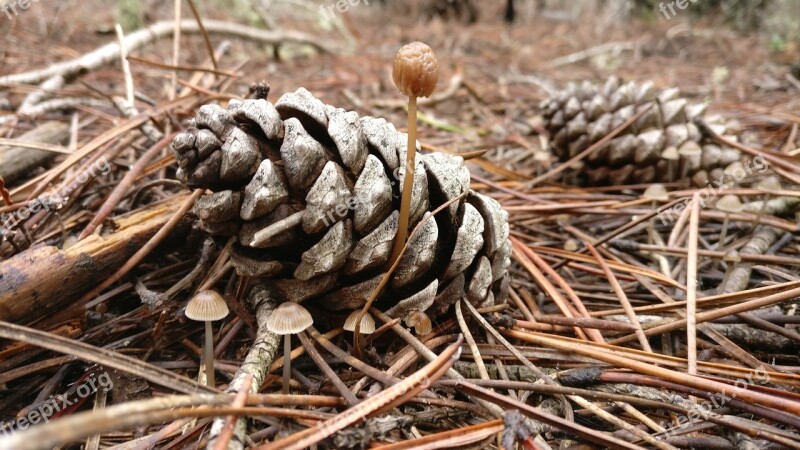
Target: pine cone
x,y
582,115
312,194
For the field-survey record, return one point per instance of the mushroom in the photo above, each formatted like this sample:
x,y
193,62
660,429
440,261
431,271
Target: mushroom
x,y
731,258
542,159
727,204
735,170
420,321
769,186
689,150
571,245
367,322
287,319
655,193
415,73
207,306
671,155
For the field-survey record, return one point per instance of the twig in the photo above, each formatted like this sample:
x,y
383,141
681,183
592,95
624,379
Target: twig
x,y
122,188
691,287
110,52
383,401
227,430
126,68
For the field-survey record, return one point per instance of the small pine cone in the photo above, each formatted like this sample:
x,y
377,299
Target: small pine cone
x,y
644,152
312,194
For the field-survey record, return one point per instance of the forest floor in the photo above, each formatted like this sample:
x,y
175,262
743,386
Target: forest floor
x,y
494,77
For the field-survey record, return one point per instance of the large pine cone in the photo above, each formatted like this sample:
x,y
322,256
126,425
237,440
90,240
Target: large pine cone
x,y
583,114
312,194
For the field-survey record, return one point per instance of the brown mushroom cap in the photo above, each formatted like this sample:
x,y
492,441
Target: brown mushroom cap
x,y
206,306
289,318
416,70
656,192
367,323
420,321
730,204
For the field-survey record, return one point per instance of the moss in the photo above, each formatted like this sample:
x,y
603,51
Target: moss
x,y
129,14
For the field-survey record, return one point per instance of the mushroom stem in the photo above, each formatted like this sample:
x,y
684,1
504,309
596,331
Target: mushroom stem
x,y
287,361
208,354
408,181
724,282
723,233
651,224
761,211
685,173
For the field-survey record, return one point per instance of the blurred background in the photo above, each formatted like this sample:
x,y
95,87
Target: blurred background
x,y
498,58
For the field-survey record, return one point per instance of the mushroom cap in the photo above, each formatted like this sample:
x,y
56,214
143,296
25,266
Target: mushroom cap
x,y
420,321
415,70
770,185
733,168
730,204
671,153
541,155
571,245
367,323
690,148
206,306
732,256
289,318
656,192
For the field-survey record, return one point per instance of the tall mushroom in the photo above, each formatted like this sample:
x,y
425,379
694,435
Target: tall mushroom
x,y
769,186
690,151
727,204
670,154
287,319
415,73
207,306
655,193
731,258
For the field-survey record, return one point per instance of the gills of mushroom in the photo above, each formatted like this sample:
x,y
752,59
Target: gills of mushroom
x,y
207,306
367,322
287,319
420,321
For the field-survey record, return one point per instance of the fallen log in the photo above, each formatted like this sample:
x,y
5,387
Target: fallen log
x,y
17,161
43,279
